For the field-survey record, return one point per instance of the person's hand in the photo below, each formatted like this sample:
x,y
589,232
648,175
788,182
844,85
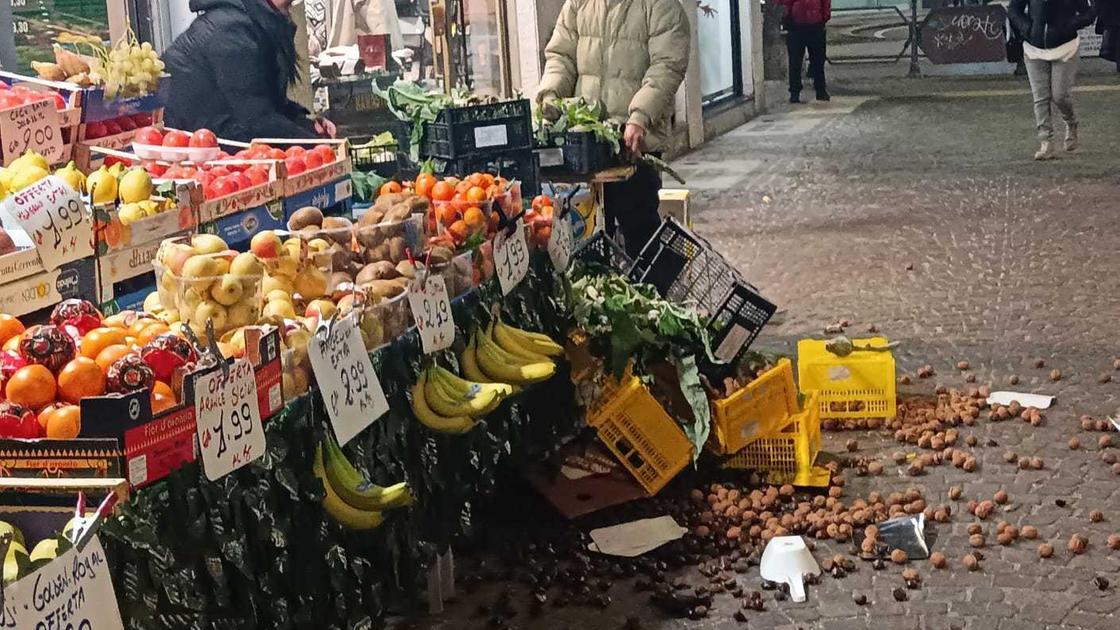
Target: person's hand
x,y
633,136
325,128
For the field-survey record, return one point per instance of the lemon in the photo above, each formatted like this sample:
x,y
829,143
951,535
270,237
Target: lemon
x,y
135,186
26,176
102,186
72,176
130,212
29,158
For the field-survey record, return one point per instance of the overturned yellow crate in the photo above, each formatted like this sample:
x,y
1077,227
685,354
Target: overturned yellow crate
x,y
644,438
860,385
788,453
759,408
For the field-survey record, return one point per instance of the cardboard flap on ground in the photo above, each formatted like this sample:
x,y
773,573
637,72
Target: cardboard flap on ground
x,y
588,480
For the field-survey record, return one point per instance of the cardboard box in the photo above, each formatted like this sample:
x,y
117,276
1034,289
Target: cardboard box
x,y
322,197
125,264
674,203
43,289
237,229
77,458
96,107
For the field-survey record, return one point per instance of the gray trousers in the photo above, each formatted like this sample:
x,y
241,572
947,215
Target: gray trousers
x,y
1051,82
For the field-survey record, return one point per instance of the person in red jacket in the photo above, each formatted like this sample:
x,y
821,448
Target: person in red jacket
x,y
805,21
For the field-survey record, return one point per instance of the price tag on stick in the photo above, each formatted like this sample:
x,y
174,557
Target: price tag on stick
x,y
560,242
55,218
511,257
431,310
32,126
351,390
230,433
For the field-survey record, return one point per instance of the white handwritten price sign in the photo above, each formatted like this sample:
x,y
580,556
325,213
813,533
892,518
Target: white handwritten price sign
x,y
55,218
560,242
32,126
511,257
230,434
351,390
431,310
73,591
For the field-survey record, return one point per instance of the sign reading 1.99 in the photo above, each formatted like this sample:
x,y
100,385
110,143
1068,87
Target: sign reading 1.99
x,y
229,419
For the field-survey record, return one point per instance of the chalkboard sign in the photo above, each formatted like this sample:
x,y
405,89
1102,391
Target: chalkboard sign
x,y
965,34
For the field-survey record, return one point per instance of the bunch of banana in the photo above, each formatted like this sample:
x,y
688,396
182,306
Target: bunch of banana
x,y
446,403
349,498
511,355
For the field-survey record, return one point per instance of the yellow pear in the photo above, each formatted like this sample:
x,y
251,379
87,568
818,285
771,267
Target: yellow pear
x,y
130,212
135,186
45,549
117,169
102,186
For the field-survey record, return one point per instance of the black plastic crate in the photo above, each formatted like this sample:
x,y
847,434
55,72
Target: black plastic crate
x,y
601,249
460,132
686,269
585,153
355,101
513,165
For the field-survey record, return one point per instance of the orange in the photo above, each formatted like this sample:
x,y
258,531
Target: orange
x,y
79,379
97,339
547,212
442,191
447,214
163,388
462,187
474,218
64,423
458,231
423,184
543,233
389,188
123,319
161,403
32,386
110,354
45,414
12,345
541,200
151,332
475,179
9,327
475,194
487,180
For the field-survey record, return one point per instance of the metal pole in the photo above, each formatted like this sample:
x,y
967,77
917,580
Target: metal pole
x,y
915,71
506,76
8,59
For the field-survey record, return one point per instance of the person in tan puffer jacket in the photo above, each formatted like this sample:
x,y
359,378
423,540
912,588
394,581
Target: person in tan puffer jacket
x,y
630,56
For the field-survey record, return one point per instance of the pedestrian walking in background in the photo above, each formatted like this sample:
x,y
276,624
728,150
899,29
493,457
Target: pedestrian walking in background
x,y
1050,50
630,56
1108,27
805,31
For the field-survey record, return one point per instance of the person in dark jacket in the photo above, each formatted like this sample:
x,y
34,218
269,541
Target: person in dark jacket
x,y
1108,27
805,25
230,72
1050,50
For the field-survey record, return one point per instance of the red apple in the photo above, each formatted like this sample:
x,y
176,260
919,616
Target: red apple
x,y
142,119
59,102
257,174
204,138
126,123
295,150
176,138
223,186
113,128
242,180
313,159
96,130
150,136
326,152
274,154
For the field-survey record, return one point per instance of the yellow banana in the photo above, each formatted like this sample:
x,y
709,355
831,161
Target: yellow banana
x,y
469,363
534,341
446,401
352,486
346,514
433,420
503,366
507,342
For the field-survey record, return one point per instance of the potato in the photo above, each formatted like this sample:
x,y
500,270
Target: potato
x,y
340,257
396,249
304,217
441,256
381,252
406,268
383,270
339,278
385,202
370,236
399,212
372,216
377,289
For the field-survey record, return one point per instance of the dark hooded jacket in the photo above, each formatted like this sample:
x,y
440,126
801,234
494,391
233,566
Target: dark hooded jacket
x,y
230,72
1049,23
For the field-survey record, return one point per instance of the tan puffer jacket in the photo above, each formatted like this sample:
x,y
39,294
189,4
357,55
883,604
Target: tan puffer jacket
x,y
630,55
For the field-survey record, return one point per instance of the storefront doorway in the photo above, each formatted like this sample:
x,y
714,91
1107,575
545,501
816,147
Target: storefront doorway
x,y
721,59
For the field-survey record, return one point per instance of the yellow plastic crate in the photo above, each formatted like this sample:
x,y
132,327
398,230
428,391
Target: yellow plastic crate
x,y
787,454
860,385
759,408
644,438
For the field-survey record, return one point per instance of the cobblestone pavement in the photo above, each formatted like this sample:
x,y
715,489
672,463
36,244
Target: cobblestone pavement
x,y
915,207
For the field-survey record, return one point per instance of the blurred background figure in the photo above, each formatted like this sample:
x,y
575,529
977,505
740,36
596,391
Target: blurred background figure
x,y
805,32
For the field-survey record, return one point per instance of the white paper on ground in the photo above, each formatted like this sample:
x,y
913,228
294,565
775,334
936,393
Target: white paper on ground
x,y
632,539
1038,401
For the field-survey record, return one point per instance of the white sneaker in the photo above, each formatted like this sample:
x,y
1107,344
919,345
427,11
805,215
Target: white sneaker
x,y
1045,152
1072,141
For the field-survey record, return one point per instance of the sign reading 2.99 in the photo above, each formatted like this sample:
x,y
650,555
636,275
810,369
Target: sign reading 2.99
x,y
351,390
229,419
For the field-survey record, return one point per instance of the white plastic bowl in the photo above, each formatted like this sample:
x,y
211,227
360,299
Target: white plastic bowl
x,y
175,154
787,560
